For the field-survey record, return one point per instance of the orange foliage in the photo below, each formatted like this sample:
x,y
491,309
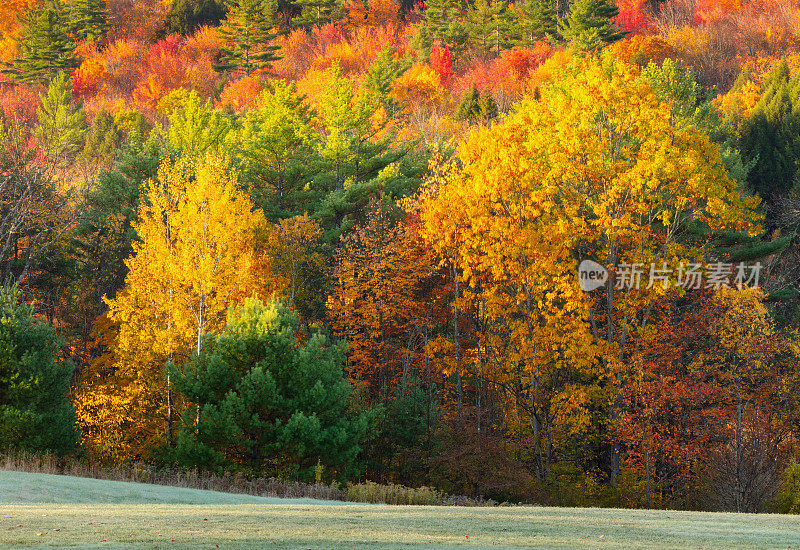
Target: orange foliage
x,y
378,13
137,19
19,103
10,11
711,10
242,94
420,85
90,77
349,59
640,49
505,77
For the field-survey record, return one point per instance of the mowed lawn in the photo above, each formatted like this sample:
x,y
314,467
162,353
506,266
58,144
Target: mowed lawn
x,y
46,511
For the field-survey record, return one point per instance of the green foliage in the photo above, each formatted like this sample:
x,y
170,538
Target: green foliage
x,y
88,19
483,23
788,498
104,237
770,137
35,413
381,75
247,35
195,127
315,13
475,106
536,20
103,140
589,24
62,125
44,47
266,402
443,23
275,143
395,494
186,16
404,436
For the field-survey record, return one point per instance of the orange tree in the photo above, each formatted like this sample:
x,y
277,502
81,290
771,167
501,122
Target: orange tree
x,y
594,167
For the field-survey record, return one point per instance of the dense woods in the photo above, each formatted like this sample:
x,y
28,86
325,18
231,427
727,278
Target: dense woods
x,y
339,241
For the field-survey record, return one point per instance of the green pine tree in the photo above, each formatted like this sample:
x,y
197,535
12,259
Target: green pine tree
x,y
381,75
35,412
266,402
470,107
589,25
247,36
315,13
481,25
186,16
487,106
62,125
770,137
88,19
443,23
275,143
535,21
44,46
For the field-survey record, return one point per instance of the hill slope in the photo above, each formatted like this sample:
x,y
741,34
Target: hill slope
x,y
25,488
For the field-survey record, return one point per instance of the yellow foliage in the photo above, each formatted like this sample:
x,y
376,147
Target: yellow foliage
x,y
193,259
595,167
418,85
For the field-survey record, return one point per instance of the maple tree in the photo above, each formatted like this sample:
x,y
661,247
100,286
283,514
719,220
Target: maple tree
x,y
373,300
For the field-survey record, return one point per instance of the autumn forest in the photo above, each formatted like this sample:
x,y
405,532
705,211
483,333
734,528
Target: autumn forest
x,y
336,241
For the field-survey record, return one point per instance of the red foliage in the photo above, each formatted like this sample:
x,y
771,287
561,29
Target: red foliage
x,y
442,62
19,103
506,76
166,47
632,17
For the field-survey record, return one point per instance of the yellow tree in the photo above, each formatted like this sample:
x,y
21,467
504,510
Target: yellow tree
x,y
592,168
193,258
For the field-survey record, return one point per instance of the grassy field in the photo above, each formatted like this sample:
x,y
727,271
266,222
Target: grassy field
x,y
45,511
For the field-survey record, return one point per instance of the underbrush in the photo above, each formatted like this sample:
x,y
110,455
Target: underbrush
x,y
140,472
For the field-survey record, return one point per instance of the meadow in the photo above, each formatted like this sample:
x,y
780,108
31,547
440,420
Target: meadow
x,y
45,511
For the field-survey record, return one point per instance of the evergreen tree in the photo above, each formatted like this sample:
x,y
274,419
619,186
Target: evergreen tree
x,y
536,20
315,13
35,412
276,142
469,108
44,47
481,24
476,106
488,106
88,19
62,125
186,16
444,23
589,24
268,403
771,135
382,74
247,35
102,141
